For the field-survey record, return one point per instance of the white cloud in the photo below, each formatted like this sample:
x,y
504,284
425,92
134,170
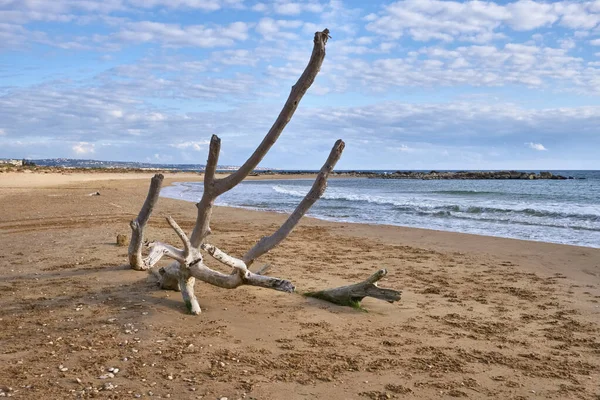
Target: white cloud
x,y
173,35
2,132
236,57
191,145
231,77
477,21
204,5
272,29
83,148
16,36
578,15
525,15
536,146
18,11
475,66
288,8
405,149
260,7
426,20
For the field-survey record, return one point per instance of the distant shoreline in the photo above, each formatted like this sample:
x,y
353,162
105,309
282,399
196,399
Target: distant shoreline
x,y
435,175
419,175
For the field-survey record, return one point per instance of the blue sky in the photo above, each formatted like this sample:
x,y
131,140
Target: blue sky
x,y
417,84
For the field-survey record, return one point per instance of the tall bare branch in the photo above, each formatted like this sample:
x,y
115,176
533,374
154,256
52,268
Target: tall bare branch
x,y
137,225
211,164
202,227
220,186
298,90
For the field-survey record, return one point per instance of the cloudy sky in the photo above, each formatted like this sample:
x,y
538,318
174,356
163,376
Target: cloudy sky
x,y
414,84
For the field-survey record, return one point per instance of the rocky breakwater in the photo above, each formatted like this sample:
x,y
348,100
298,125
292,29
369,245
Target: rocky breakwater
x,y
468,175
427,175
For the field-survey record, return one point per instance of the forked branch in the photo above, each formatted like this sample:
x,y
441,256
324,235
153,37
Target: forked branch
x,y
220,186
189,265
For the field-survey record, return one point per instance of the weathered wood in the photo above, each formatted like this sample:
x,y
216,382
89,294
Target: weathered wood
x,y
219,186
206,203
262,270
298,90
267,243
189,266
137,225
352,295
186,285
158,250
238,278
223,257
168,277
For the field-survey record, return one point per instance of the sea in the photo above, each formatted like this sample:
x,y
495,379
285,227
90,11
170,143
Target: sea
x,y
554,211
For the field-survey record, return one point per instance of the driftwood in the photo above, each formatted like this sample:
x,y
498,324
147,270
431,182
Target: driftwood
x,y
216,187
352,295
188,264
137,225
182,275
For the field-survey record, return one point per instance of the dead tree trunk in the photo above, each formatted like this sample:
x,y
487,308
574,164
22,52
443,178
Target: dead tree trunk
x,y
188,265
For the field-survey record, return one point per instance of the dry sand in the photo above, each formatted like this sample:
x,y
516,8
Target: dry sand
x,y
480,317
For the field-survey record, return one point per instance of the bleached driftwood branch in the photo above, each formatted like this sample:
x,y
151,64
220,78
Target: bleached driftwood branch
x,y
205,206
216,187
137,225
318,188
352,295
189,267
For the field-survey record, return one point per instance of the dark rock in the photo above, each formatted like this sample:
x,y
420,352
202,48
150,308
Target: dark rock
x,y
434,174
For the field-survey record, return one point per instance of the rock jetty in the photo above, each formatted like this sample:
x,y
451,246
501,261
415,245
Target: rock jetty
x,y
470,175
431,175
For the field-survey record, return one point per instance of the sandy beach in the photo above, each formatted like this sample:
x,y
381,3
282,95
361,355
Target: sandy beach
x,y
480,317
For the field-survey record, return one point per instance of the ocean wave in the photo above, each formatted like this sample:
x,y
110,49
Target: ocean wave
x,y
329,195
421,206
530,212
290,192
557,216
528,223
469,192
